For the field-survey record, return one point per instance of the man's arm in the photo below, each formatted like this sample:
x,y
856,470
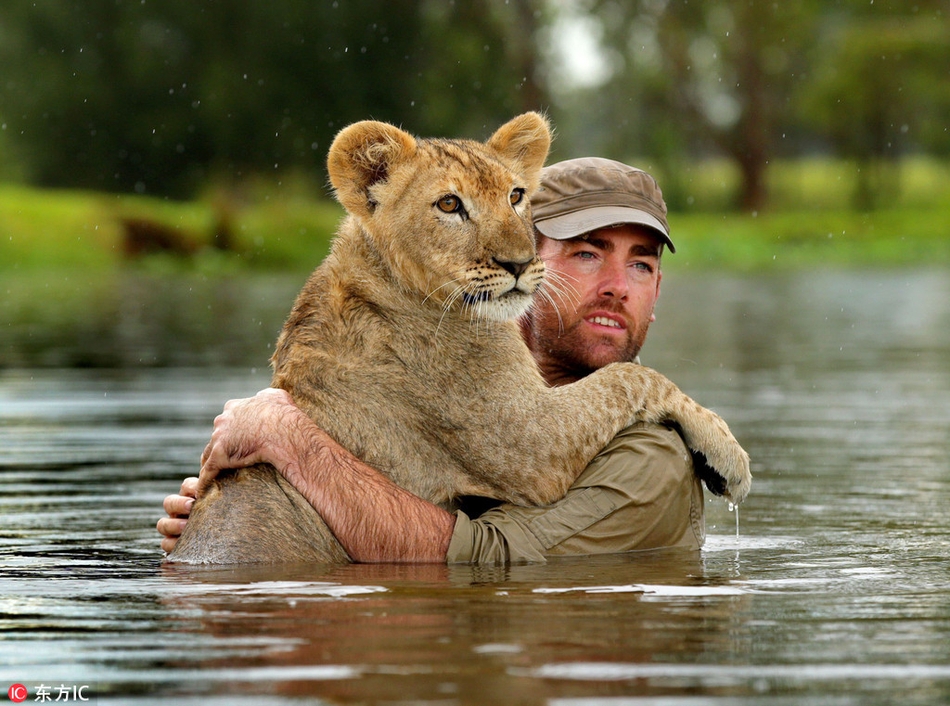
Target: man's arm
x,y
640,492
374,519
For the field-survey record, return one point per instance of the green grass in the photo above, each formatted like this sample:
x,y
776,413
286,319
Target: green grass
x,y
44,229
809,224
893,237
808,184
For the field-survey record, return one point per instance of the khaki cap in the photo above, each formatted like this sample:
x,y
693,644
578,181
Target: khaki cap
x,y
581,195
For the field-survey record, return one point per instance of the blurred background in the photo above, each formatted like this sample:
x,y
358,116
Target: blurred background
x,y
175,138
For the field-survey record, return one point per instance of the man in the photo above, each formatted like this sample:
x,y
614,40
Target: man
x,y
601,229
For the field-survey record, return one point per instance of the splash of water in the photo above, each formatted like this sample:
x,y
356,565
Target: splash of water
x,y
735,508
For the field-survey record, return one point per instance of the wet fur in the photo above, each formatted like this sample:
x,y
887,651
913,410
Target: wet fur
x,y
403,346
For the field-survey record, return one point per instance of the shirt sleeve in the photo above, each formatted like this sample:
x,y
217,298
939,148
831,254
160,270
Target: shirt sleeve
x,y
640,492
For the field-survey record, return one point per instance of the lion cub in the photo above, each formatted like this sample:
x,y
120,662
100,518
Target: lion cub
x,y
403,346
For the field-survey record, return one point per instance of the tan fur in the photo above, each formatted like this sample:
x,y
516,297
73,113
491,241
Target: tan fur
x,y
403,346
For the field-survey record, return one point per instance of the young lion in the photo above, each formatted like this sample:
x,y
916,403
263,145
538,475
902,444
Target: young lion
x,y
403,346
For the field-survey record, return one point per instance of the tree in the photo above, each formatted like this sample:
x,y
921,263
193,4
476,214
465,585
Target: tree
x,y
692,77
159,97
881,91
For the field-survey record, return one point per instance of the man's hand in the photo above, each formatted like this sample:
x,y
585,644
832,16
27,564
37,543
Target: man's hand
x,y
178,508
374,519
250,431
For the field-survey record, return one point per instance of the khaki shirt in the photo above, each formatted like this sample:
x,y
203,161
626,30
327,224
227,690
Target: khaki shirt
x,y
640,492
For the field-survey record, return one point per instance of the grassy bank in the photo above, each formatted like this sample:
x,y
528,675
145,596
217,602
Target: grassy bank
x,y
810,226
884,238
44,229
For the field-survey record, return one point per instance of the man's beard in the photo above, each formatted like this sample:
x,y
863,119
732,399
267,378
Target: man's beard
x,y
583,354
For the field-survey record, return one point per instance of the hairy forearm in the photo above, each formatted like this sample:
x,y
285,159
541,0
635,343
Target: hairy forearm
x,y
374,519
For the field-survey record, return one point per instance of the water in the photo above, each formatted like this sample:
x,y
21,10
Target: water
x,y
835,591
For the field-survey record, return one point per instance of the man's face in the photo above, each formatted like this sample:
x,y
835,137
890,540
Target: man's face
x,y
604,288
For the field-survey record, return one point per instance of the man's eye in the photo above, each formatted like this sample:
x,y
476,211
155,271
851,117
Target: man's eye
x,y
450,203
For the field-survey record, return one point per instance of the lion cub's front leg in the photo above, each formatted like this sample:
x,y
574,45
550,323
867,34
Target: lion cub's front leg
x,y
657,399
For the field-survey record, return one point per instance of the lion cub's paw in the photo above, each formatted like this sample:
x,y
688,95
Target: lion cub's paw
x,y
721,462
734,487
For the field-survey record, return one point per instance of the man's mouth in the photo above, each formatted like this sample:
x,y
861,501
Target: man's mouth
x,y
605,321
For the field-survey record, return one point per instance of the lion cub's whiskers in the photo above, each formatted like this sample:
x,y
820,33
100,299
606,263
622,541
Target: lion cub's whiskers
x,y
557,286
560,283
449,300
441,286
476,313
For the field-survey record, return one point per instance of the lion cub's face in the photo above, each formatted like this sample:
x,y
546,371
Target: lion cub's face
x,y
451,218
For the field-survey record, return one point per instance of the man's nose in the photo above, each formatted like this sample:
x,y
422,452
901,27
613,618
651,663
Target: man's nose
x,y
613,280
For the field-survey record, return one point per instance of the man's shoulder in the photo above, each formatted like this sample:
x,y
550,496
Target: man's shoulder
x,y
644,436
641,453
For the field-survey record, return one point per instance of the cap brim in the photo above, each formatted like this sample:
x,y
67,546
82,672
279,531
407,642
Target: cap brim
x,y
572,225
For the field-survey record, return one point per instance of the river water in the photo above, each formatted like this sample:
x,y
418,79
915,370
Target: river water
x,y
835,591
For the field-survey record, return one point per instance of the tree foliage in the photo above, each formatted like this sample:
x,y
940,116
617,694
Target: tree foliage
x,y
162,96
158,96
754,81
705,78
881,90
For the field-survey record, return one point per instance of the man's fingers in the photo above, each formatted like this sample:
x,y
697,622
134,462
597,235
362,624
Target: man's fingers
x,y
216,461
168,544
206,452
171,527
209,471
189,487
178,505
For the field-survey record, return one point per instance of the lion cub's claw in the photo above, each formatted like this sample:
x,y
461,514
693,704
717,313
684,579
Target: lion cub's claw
x,y
726,471
733,484
718,459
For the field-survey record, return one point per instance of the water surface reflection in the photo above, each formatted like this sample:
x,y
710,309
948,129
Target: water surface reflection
x,y
837,589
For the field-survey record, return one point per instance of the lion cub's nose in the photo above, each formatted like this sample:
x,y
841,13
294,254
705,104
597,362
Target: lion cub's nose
x,y
514,267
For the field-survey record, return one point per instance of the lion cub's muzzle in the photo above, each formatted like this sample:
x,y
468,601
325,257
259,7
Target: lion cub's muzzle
x,y
502,288
515,268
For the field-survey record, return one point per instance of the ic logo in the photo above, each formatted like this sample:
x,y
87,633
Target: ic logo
x,y
17,693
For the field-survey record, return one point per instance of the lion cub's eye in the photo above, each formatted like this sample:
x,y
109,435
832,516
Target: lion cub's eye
x,y
516,197
450,203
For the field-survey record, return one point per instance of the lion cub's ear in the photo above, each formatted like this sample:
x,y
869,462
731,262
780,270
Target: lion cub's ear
x,y
525,140
363,154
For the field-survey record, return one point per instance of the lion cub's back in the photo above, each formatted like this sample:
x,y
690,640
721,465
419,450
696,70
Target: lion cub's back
x,y
255,516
